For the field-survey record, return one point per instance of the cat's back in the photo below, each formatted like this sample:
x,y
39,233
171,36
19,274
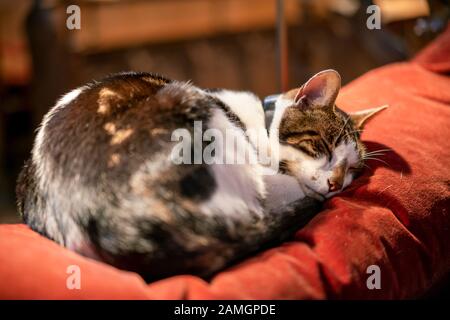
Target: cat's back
x,y
92,128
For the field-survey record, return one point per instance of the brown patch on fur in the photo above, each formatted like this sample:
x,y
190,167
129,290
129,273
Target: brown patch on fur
x,y
114,160
110,128
118,136
103,107
121,135
157,131
155,81
106,97
161,211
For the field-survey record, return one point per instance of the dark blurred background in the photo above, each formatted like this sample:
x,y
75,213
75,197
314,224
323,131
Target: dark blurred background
x,y
214,43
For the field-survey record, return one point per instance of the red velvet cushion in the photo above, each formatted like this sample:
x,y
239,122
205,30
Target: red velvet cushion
x,y
395,216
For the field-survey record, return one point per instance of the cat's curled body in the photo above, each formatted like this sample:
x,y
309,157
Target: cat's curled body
x,y
100,180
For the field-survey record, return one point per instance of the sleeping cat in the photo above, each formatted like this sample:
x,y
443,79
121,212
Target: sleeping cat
x,y
102,179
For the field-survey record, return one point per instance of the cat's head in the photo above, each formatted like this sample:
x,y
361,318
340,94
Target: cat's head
x,y
319,144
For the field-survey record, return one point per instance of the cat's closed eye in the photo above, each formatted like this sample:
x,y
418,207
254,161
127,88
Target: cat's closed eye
x,y
306,136
297,139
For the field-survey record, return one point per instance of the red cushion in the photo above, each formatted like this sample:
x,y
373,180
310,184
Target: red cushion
x,y
395,216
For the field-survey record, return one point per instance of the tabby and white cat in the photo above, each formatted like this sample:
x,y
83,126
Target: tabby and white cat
x,y
100,180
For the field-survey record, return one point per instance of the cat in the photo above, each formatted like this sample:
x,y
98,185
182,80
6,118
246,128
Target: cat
x,y
102,181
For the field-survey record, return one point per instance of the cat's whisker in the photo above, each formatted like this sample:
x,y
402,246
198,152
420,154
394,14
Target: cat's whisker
x,y
379,150
375,154
376,159
386,149
370,156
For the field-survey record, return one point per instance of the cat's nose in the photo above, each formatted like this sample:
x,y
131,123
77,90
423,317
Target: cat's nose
x,y
334,185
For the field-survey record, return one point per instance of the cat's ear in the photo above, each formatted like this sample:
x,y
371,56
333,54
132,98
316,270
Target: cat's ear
x,y
360,118
319,91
